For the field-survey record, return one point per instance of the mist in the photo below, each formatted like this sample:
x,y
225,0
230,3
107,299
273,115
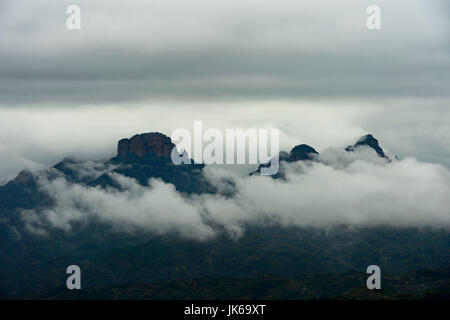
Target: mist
x,y
406,127
356,189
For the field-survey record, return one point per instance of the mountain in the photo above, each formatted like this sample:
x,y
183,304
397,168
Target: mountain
x,y
142,157
147,144
302,152
33,264
368,141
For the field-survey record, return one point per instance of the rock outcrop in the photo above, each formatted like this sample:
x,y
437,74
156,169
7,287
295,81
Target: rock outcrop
x,y
147,144
302,152
369,141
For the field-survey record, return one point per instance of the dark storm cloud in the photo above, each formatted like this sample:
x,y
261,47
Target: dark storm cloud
x,y
216,49
117,77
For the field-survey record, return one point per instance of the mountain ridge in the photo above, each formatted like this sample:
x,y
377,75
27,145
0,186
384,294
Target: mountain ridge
x,y
157,147
35,259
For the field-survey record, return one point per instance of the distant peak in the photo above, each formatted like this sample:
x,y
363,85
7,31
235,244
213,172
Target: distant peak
x,y
370,141
368,138
302,152
141,145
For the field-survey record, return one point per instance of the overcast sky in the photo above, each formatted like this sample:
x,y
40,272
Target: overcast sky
x,y
310,68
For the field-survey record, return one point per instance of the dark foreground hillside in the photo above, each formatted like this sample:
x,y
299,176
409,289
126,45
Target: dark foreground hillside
x,y
422,284
164,266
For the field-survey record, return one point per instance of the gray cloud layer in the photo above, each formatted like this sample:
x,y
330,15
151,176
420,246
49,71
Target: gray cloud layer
x,y
135,51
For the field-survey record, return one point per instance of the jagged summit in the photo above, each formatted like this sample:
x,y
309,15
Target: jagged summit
x,y
148,155
146,144
370,141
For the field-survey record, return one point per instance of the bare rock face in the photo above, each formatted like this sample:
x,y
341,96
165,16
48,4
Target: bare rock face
x,y
24,177
302,152
369,141
141,145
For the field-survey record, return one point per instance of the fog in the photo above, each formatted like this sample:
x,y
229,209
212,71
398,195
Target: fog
x,y
356,189
311,69
36,139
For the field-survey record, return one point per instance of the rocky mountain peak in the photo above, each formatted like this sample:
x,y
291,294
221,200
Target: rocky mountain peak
x,y
24,177
146,144
302,152
370,141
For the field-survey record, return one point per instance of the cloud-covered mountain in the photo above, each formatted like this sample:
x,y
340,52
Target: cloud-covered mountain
x,y
141,187
348,198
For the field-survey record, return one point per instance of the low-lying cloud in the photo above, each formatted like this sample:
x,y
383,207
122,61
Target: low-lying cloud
x,y
354,189
415,127
158,208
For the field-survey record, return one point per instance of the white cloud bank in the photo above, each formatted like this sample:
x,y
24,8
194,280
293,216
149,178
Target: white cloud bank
x,y
415,127
356,191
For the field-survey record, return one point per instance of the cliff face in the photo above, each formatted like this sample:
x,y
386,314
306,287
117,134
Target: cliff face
x,y
141,145
146,156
